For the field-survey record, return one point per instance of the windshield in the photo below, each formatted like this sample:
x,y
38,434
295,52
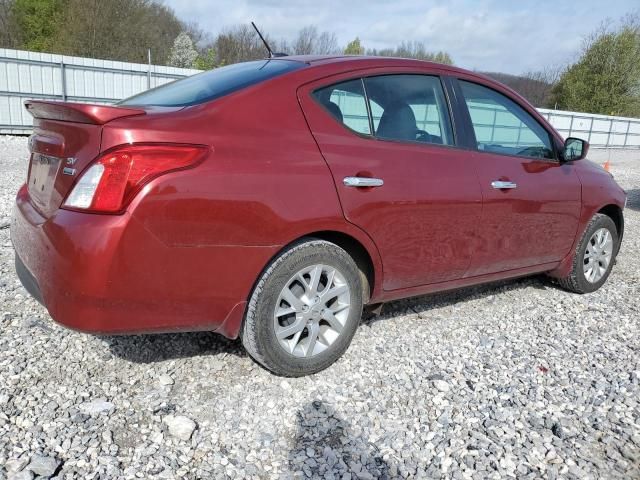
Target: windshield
x,y
212,84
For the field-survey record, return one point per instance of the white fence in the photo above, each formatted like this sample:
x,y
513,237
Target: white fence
x,y
599,130
25,75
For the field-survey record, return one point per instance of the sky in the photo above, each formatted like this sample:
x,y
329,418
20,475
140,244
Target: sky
x,y
488,35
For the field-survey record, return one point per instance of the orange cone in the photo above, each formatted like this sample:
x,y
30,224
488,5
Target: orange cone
x,y
606,165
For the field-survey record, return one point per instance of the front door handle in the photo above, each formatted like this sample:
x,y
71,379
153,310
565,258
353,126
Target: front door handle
x,y
362,182
502,185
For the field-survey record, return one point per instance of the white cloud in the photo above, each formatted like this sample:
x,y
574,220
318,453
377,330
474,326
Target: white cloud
x,y
489,35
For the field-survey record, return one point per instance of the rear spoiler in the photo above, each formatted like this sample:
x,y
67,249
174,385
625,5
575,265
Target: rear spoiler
x,y
78,112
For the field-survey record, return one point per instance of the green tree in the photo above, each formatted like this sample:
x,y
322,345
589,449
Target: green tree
x,y
118,30
354,47
442,57
38,22
109,29
606,78
239,44
9,29
206,59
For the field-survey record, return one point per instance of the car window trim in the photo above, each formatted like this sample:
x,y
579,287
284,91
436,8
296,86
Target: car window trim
x,y
368,105
466,116
460,126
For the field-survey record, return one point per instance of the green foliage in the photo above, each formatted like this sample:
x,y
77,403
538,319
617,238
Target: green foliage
x,y
109,29
606,79
442,57
38,21
354,47
206,60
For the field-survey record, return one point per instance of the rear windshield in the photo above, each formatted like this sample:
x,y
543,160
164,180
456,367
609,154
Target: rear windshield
x,y
212,84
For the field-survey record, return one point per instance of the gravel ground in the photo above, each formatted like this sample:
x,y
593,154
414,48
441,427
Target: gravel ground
x,y
518,380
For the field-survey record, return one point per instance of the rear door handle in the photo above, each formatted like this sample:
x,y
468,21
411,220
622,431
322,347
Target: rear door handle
x,y
362,182
502,185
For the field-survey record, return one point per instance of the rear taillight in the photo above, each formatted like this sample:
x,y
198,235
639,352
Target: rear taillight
x,y
115,177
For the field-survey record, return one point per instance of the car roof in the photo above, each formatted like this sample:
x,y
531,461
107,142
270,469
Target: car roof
x,y
368,60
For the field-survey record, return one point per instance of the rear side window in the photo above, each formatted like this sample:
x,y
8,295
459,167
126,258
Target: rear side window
x,y
347,103
400,107
502,126
409,107
212,84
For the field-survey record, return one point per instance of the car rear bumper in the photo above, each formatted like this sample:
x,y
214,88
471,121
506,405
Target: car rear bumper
x,y
108,274
28,281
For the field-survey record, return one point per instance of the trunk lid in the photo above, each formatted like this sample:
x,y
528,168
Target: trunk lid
x,y
66,138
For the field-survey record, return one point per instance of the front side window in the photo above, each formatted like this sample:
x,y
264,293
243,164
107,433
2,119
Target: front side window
x,y
410,108
346,102
502,126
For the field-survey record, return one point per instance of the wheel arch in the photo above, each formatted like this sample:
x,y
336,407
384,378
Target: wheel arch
x,y
614,212
357,251
366,257
611,210
357,244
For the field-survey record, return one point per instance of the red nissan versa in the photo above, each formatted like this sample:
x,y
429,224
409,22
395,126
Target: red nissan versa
x,y
272,199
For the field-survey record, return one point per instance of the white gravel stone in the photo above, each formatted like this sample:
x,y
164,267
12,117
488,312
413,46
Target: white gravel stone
x,y
16,464
43,466
96,407
540,383
165,380
441,385
23,475
180,426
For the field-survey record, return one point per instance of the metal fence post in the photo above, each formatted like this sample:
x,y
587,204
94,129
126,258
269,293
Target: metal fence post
x,y
148,68
570,125
63,81
626,135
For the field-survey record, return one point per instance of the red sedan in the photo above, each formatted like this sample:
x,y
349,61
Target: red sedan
x,y
272,199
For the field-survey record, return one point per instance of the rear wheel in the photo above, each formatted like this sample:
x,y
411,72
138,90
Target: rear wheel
x,y
594,257
304,310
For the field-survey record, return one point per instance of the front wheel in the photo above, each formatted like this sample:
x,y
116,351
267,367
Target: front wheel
x,y
594,257
304,310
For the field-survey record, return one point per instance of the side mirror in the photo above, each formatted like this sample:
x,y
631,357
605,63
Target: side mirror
x,y
575,149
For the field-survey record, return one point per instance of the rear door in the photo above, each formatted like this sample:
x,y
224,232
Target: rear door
x,y
531,201
390,145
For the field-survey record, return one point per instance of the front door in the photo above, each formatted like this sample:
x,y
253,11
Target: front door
x,y
389,143
531,201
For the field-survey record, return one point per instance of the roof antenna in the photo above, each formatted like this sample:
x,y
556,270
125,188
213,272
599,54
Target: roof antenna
x,y
271,52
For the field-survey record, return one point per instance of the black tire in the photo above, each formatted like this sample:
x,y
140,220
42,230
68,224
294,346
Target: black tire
x,y
258,331
576,281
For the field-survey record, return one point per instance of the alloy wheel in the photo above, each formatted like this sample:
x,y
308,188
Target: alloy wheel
x,y
597,255
312,310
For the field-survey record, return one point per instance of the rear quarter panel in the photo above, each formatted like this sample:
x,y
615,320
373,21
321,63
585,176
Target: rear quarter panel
x,y
263,180
263,185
